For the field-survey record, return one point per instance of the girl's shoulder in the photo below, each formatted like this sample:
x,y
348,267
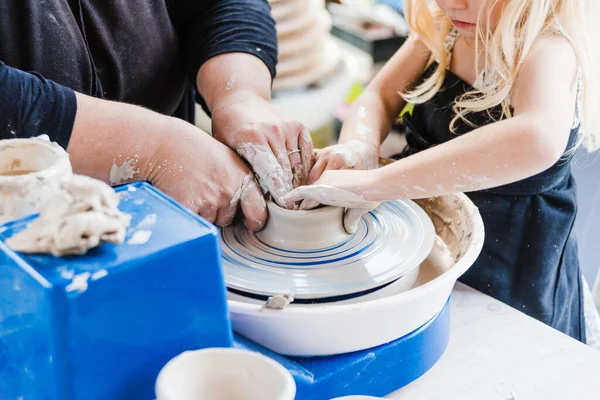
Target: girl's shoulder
x,y
551,51
554,43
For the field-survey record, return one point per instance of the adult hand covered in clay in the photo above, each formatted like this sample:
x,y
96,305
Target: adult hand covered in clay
x,y
278,151
354,154
340,189
207,177
175,156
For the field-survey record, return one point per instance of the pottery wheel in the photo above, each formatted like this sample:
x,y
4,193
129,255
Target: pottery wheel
x,y
390,241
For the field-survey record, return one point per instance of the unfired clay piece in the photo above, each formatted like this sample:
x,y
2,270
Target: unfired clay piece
x,y
300,230
279,302
81,215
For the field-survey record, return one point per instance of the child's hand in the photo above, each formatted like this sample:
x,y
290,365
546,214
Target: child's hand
x,y
341,189
354,154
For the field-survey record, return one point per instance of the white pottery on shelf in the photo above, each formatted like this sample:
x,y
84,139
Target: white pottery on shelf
x,y
329,64
31,170
224,374
378,317
309,255
306,53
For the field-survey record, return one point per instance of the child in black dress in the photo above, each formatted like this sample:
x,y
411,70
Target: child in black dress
x,y
502,96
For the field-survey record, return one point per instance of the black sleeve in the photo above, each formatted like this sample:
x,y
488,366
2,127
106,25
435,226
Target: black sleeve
x,y
213,27
31,105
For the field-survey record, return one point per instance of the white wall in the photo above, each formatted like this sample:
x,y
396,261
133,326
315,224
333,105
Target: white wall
x,y
587,173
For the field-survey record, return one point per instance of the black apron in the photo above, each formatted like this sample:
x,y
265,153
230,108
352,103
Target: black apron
x,y
529,258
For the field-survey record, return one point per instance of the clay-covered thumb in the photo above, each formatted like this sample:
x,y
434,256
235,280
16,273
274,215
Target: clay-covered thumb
x,y
352,217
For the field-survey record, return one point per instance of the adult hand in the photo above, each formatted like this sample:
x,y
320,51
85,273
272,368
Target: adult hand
x,y
119,143
278,150
341,189
206,176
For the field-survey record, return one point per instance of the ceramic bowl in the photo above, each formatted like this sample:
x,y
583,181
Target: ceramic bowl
x,y
379,317
31,170
224,374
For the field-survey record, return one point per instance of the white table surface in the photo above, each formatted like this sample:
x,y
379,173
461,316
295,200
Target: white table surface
x,y
499,353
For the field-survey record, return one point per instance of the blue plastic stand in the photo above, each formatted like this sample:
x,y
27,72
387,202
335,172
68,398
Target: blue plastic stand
x,y
143,305
101,326
373,372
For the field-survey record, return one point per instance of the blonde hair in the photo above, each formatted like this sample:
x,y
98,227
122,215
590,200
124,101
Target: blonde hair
x,y
521,23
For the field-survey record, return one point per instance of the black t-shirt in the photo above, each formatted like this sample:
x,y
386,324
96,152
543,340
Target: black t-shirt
x,y
144,52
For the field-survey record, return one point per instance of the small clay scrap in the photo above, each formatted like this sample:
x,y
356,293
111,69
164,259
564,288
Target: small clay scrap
x,y
80,216
279,301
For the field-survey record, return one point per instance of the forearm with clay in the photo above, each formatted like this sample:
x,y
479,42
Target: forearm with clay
x,y
491,156
501,152
225,79
118,143
114,142
373,113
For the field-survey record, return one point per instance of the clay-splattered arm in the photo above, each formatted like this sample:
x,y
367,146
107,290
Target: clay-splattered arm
x,y
496,154
373,113
117,143
500,153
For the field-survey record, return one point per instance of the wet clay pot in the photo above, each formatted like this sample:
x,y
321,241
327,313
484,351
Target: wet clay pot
x,y
301,230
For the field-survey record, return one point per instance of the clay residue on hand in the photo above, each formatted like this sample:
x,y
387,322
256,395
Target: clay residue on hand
x,y
81,215
247,183
301,170
269,170
363,150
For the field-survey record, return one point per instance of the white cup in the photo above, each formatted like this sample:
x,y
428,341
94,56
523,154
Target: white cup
x,y
224,374
358,398
31,171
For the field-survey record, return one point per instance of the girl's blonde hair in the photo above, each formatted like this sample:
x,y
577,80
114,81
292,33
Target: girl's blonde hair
x,y
521,23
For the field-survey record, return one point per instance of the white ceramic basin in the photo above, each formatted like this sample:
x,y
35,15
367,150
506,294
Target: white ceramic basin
x,y
379,317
